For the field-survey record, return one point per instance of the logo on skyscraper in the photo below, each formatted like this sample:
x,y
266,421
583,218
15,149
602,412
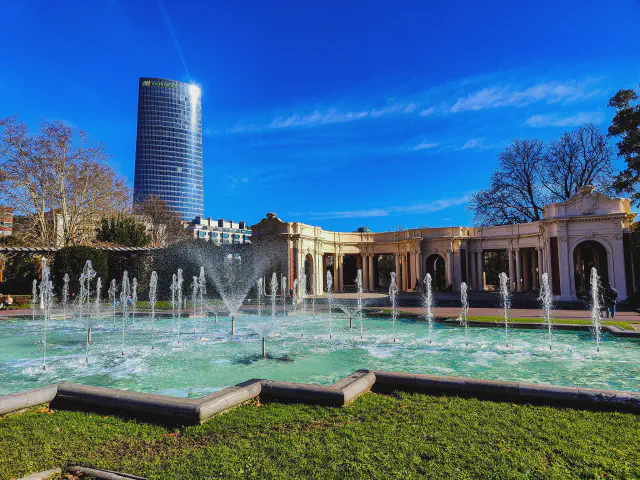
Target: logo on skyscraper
x,y
146,83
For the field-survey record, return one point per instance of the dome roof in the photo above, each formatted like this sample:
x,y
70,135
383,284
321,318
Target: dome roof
x,y
363,229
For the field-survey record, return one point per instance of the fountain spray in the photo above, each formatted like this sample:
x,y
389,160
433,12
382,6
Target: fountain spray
x,y
294,295
505,299
546,304
283,288
464,315
393,293
98,296
179,282
88,274
65,296
330,298
596,307
125,293
195,285
134,300
34,299
202,284
46,297
259,289
427,304
113,290
359,288
153,292
313,293
274,293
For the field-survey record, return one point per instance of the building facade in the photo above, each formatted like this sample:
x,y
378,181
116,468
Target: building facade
x,y
169,145
589,230
221,231
6,221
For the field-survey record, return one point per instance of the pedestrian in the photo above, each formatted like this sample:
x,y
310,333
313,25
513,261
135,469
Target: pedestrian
x,y
611,299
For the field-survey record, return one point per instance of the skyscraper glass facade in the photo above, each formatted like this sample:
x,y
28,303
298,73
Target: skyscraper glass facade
x,y
169,145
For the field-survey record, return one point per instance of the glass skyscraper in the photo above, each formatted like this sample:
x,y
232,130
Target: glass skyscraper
x,y
169,145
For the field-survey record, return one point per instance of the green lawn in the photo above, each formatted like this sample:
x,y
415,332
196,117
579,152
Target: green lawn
x,y
403,436
569,321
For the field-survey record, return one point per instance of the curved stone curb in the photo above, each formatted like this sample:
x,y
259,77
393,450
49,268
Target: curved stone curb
x,y
612,329
42,475
27,399
509,391
103,474
228,398
355,384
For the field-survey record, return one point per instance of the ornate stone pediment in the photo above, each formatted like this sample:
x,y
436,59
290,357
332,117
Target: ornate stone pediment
x,y
586,202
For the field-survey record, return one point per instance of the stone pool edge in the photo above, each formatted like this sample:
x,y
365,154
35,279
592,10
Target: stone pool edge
x,y
166,409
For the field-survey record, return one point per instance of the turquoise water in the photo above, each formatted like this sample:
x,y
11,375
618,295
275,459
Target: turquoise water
x,y
210,358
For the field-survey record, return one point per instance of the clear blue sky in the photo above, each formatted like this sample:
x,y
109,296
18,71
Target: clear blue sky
x,y
338,114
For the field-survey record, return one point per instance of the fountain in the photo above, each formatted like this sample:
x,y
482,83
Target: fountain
x,y
98,296
125,294
202,283
34,299
46,299
313,293
88,274
153,295
596,307
546,302
112,292
330,298
134,300
195,285
302,294
393,293
505,301
427,304
283,287
294,295
464,320
65,296
359,289
178,286
259,291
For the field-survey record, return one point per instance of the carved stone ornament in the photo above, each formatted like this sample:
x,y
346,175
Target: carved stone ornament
x,y
588,202
589,236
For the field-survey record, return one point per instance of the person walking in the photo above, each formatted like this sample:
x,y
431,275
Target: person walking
x,y
611,300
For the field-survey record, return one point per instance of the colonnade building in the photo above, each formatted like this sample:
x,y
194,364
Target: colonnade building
x,y
589,230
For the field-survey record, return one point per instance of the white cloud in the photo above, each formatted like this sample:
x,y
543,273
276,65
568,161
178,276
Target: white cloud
x,y
425,145
557,120
507,95
427,112
474,143
421,208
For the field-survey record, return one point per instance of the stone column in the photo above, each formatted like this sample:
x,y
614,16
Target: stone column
x,y
565,269
518,270
534,269
473,277
419,267
480,261
512,272
340,273
540,265
617,267
403,264
450,276
525,269
372,285
457,265
397,256
469,279
335,272
365,272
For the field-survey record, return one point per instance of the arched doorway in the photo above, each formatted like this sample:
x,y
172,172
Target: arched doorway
x,y
383,265
349,272
308,271
587,255
435,268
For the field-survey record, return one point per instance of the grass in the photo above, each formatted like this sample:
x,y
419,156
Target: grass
x,y
568,321
399,436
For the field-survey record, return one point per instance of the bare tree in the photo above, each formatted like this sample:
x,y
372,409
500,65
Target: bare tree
x,y
165,226
514,194
64,183
531,174
578,158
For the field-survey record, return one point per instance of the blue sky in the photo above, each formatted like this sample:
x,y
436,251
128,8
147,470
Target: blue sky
x,y
337,114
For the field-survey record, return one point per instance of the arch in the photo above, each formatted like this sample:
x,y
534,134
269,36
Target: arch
x,y
435,266
308,271
586,255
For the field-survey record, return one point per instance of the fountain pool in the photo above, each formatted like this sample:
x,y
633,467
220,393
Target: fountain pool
x,y
197,363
